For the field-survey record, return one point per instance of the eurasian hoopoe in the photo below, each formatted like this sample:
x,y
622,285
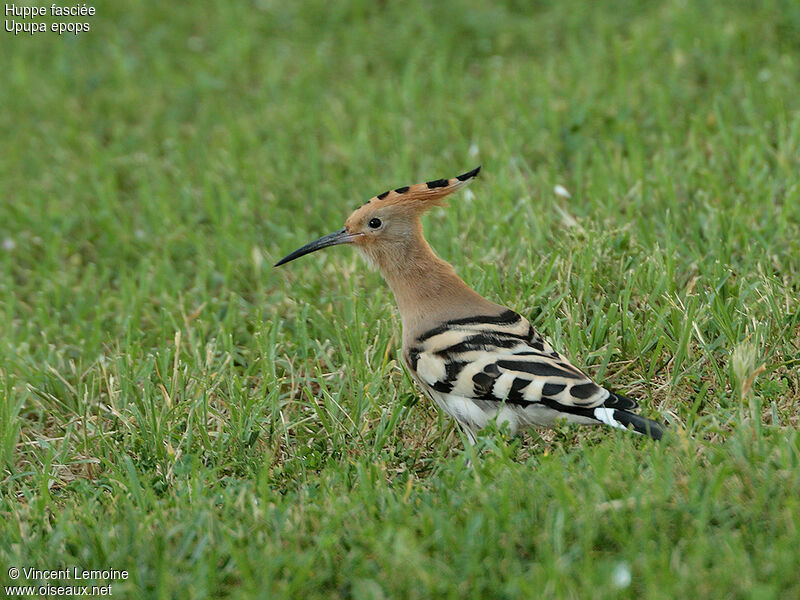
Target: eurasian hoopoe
x,y
476,359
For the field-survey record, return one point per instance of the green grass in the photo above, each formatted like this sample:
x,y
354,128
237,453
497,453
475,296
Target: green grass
x,y
173,406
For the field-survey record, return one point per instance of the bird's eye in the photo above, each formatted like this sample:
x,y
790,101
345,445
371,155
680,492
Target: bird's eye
x,y
374,223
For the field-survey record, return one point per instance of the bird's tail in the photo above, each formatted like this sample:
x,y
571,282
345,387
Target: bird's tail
x,y
624,419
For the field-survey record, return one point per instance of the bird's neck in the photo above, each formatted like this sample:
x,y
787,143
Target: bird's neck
x,y
428,291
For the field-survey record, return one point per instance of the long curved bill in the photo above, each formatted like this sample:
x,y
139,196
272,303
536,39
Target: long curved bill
x,y
332,239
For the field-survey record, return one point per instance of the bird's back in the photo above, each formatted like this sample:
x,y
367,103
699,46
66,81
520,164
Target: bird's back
x,y
501,358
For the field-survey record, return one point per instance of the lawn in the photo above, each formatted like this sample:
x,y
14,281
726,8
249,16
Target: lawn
x,y
172,406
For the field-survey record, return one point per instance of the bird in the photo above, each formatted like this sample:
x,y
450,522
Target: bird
x,y
475,359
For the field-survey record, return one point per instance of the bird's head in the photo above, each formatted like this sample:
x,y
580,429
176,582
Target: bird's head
x,y
386,227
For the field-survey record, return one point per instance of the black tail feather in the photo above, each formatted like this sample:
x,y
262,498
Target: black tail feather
x,y
640,424
617,400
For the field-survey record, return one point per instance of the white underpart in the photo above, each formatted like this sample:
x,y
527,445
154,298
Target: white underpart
x,y
475,415
472,417
507,414
465,411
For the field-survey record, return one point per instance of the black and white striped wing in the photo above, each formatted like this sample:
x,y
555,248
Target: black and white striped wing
x,y
503,359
